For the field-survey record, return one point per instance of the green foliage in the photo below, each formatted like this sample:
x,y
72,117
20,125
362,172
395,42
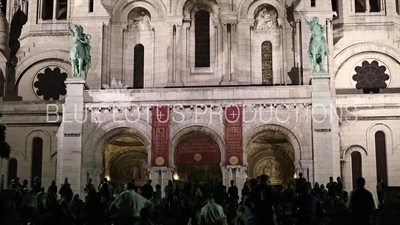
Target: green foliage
x,y
5,148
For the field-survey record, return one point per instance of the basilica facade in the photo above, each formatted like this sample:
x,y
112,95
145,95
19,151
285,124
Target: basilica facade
x,y
201,89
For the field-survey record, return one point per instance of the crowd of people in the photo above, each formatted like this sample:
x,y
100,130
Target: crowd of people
x,y
206,203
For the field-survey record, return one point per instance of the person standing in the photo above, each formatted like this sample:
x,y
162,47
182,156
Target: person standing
x,y
147,190
307,206
249,202
233,191
361,204
36,185
129,205
105,189
300,182
263,198
212,213
380,190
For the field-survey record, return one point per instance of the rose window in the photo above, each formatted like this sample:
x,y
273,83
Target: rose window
x,y
370,77
50,84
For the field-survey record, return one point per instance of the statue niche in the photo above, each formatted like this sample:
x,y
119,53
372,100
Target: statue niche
x,y
139,21
266,19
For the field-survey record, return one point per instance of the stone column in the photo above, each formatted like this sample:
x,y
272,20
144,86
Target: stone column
x,y
174,78
325,132
299,63
55,11
225,54
69,152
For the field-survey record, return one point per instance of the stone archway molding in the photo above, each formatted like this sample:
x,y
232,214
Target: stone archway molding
x,y
363,47
107,132
56,54
46,137
122,8
354,148
247,8
294,135
371,137
222,4
189,130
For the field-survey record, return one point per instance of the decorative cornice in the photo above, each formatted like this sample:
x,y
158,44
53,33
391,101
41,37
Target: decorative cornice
x,y
47,34
322,130
72,134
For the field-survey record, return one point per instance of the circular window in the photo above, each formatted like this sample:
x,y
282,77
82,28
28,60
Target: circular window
x,y
49,83
370,77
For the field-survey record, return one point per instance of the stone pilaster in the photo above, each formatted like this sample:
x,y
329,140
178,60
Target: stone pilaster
x,y
69,153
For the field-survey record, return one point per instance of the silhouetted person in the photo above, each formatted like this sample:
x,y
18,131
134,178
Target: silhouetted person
x,y
36,185
380,190
147,190
339,187
300,182
361,204
53,187
263,198
307,206
105,190
233,191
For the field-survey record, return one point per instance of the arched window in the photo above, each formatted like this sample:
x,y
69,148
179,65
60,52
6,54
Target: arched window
x,y
37,154
374,6
266,60
4,6
356,167
398,7
138,66
202,39
360,6
12,169
380,152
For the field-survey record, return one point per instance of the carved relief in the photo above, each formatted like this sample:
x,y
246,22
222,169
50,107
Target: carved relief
x,y
274,163
272,168
140,23
129,166
266,19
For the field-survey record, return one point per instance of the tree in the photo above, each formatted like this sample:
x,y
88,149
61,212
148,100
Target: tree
x,y
5,148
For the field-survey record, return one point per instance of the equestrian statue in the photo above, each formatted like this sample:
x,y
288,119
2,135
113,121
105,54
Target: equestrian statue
x,y
79,55
318,48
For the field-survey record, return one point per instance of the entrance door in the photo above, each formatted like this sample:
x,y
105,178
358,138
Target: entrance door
x,y
199,172
198,158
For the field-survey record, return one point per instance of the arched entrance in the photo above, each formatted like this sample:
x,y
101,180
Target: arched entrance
x,y
125,159
197,158
271,153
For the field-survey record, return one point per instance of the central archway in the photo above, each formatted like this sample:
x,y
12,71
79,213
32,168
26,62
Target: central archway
x,y
197,158
125,159
271,153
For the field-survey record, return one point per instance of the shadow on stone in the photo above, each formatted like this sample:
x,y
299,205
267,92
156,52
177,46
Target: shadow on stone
x,y
294,75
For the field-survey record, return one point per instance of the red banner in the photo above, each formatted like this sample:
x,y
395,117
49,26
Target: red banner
x,y
197,149
160,136
233,135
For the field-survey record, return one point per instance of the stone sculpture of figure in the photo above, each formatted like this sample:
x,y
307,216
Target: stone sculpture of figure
x,y
80,52
143,22
266,20
318,49
260,19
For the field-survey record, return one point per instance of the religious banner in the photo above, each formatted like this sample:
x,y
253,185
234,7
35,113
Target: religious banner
x,y
197,149
160,136
233,135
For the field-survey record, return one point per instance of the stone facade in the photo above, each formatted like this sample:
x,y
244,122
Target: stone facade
x,y
323,118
